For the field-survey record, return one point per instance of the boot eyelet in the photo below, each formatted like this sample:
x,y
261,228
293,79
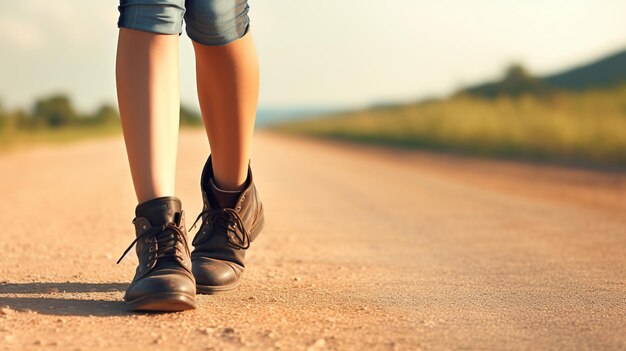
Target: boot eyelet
x,y
238,208
151,249
242,198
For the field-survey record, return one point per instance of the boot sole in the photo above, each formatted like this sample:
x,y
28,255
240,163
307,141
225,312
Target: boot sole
x,y
162,302
216,289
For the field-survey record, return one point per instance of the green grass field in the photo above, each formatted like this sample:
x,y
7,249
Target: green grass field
x,y
17,139
24,138
588,128
53,119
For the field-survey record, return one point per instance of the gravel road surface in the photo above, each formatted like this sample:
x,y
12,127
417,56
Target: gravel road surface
x,y
364,248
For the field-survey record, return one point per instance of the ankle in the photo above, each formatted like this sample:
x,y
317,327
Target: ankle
x,y
228,186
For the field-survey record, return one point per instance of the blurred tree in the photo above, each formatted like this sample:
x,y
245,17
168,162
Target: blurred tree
x,y
517,81
106,114
54,111
189,117
22,120
3,118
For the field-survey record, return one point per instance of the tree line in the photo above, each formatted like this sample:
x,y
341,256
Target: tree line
x,y
57,111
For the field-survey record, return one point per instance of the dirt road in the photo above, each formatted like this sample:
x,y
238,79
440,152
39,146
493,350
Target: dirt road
x,y
364,248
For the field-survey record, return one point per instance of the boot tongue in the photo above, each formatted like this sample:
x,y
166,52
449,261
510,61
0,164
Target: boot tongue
x,y
160,210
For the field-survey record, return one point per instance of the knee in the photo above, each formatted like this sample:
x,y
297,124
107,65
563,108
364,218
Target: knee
x,y
216,22
157,16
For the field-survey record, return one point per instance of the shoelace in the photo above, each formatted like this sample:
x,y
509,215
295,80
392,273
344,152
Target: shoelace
x,y
166,244
229,221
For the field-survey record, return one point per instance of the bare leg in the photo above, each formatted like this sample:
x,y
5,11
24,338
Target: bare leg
x,y
228,89
148,97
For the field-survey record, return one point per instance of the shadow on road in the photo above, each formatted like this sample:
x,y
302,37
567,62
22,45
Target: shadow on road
x,y
63,299
68,287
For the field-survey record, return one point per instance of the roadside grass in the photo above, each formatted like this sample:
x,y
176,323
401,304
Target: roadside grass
x,y
18,139
14,139
588,127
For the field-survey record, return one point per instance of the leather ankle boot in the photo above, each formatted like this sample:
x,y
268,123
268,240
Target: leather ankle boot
x,y
163,279
225,234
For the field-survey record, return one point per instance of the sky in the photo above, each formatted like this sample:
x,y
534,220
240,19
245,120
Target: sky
x,y
323,53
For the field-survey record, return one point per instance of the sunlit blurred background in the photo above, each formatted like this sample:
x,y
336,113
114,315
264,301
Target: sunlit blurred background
x,y
525,79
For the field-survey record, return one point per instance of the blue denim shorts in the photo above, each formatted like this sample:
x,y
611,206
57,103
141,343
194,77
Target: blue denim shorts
x,y
209,22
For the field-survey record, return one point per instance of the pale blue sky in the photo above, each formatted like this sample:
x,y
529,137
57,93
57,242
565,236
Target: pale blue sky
x,y
324,52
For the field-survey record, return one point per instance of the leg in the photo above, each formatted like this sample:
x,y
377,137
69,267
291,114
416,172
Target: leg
x,y
148,98
228,88
227,74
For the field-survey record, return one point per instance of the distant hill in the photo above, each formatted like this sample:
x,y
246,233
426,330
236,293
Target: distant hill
x,y
604,73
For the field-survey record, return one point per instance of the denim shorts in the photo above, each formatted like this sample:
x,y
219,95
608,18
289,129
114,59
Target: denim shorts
x,y
208,22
